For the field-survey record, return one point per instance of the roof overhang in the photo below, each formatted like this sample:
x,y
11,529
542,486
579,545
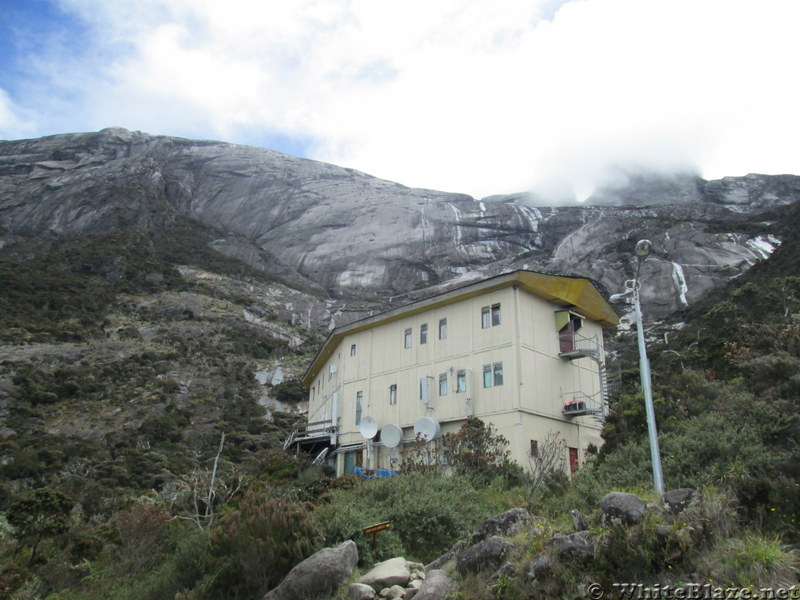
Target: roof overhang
x,y
568,292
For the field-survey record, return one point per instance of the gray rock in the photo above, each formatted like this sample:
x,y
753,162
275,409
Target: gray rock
x,y
437,586
576,546
396,591
503,524
411,592
445,558
387,573
540,567
320,573
678,500
484,555
506,569
360,591
579,520
621,507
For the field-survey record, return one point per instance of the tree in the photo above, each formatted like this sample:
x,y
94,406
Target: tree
x,y
478,452
39,513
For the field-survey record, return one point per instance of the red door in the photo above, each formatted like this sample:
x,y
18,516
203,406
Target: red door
x,y
573,461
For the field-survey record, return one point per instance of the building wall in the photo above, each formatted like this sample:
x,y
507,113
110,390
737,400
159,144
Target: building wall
x,y
526,406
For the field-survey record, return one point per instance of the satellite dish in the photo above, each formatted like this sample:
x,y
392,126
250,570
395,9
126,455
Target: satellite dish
x,y
391,435
368,428
426,428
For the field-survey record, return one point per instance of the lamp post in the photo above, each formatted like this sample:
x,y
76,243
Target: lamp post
x,y
631,296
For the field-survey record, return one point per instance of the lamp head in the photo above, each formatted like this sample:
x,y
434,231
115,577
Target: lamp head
x,y
643,249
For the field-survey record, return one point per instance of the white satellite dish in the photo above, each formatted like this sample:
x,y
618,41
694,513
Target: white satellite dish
x,y
426,428
368,428
391,435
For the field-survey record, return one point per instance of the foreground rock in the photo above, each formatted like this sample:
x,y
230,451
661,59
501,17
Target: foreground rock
x,y
504,524
390,572
318,575
489,553
437,586
678,500
577,546
621,507
445,558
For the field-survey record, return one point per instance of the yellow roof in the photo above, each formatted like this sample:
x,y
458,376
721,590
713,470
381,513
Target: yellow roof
x,y
570,292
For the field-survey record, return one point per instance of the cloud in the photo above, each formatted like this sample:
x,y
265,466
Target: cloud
x,y
459,95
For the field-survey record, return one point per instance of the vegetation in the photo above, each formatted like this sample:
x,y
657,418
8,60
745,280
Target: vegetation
x,y
135,461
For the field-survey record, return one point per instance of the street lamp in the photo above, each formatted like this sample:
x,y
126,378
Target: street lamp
x,y
631,296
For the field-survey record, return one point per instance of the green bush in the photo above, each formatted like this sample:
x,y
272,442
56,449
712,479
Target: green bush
x,y
428,514
258,544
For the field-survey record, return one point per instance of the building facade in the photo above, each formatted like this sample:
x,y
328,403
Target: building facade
x,y
522,351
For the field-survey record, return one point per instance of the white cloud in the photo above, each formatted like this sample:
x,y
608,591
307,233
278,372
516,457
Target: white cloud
x,y
460,95
13,124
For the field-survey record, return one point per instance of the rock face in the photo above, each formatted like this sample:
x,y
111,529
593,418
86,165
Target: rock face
x,y
621,507
350,234
317,575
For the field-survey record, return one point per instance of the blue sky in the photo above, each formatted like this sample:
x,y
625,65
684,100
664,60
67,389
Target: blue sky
x,y
557,96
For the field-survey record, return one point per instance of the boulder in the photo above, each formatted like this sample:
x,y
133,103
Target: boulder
x,y
577,546
437,586
387,573
445,558
321,573
678,500
540,567
621,507
360,591
579,520
487,554
396,591
507,569
503,524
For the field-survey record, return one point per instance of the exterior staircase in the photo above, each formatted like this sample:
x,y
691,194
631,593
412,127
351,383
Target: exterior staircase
x,y
574,346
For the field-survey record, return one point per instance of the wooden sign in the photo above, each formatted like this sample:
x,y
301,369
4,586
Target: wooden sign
x,y
374,529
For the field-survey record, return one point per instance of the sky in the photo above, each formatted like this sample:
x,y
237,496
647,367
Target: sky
x,y
553,96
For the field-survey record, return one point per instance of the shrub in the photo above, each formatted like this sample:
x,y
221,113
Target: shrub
x,y
428,514
751,560
478,452
258,544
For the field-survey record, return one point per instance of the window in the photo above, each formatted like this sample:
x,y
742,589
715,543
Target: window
x,y
407,338
493,375
498,373
487,376
423,333
353,350
442,329
495,314
490,316
443,384
461,381
534,448
392,394
359,398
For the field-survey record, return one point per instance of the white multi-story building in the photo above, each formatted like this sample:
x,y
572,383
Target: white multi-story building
x,y
522,351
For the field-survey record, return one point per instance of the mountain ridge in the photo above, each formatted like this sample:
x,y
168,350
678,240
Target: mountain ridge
x,y
346,234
